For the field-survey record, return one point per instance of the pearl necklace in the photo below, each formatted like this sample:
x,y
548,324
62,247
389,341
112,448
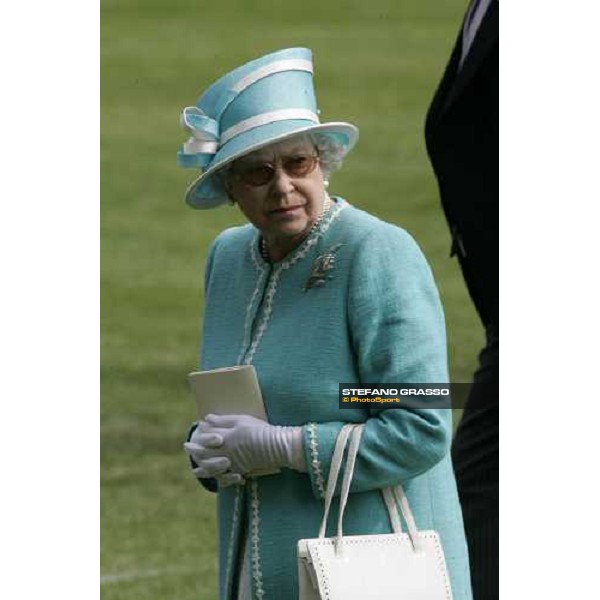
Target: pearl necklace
x,y
264,252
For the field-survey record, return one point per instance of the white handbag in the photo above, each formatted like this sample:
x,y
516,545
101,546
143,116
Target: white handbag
x,y
409,566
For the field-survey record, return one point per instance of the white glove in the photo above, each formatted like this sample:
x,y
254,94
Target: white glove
x,y
216,466
249,444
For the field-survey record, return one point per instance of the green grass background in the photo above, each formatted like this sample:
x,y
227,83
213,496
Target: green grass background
x,y
377,64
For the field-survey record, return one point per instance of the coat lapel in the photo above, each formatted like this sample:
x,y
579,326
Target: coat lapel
x,y
486,37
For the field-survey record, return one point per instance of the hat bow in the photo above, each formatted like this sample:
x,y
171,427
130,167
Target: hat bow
x,y
200,148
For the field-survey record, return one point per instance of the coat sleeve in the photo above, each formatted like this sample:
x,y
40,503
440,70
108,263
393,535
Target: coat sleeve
x,y
209,484
398,335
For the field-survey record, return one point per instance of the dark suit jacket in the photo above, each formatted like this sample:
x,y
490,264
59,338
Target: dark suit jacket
x,y
462,140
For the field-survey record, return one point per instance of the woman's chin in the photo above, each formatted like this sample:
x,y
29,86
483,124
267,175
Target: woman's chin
x,y
290,225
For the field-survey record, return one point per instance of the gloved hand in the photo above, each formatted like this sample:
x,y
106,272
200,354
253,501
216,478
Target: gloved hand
x,y
215,466
249,444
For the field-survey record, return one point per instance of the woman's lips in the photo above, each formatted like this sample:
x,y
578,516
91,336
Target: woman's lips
x,y
286,210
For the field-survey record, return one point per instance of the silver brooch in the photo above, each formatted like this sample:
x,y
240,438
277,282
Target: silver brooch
x,y
323,263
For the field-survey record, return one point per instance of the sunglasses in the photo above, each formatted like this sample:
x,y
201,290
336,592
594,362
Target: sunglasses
x,y
255,175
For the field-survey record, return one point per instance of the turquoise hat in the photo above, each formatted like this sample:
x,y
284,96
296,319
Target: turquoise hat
x,y
264,101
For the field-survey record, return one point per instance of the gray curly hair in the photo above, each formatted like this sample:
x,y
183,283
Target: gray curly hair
x,y
331,155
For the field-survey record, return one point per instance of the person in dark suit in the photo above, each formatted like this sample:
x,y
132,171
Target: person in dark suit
x,y
462,141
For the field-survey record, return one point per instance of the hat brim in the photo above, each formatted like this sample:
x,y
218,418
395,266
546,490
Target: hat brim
x,y
205,192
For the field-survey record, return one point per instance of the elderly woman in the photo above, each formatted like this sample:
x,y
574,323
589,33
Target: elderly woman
x,y
312,292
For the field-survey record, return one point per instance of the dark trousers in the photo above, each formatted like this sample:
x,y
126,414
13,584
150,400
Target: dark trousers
x,y
475,451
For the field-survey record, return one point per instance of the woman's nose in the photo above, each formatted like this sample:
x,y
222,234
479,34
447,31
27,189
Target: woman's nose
x,y
282,182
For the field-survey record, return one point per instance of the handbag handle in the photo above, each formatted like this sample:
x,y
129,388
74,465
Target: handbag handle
x,y
393,496
336,461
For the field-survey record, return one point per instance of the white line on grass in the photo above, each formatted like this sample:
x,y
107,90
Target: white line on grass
x,y
142,574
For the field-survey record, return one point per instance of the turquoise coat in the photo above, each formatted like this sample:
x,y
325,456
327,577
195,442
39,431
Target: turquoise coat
x,y
373,317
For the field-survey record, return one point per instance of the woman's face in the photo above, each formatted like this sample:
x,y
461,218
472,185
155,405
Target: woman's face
x,y
279,188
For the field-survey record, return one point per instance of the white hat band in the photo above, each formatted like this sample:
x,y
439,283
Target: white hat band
x,y
275,67
266,118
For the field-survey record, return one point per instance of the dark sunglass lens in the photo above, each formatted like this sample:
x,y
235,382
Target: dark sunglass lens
x,y
257,175
300,165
